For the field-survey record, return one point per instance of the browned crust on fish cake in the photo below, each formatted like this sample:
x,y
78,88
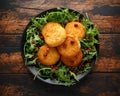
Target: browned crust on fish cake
x,y
54,34
74,61
48,55
75,28
70,47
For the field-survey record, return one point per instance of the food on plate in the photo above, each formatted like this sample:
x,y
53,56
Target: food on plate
x,y
61,46
75,28
74,61
54,34
70,47
48,55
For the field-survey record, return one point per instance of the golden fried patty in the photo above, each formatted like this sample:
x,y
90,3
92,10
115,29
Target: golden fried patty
x,y
70,47
75,28
48,55
74,61
54,34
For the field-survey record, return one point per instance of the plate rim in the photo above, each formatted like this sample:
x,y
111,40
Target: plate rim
x,y
30,67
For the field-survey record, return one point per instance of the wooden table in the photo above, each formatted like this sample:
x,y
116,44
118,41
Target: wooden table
x,y
16,80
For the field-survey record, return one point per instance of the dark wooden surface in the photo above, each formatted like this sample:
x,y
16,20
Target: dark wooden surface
x,y
16,80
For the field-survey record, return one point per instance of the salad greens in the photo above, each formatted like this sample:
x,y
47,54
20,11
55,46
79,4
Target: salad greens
x,y
59,71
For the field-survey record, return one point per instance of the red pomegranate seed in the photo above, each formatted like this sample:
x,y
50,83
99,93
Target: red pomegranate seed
x,y
65,23
34,51
77,20
70,20
45,54
33,57
89,61
47,49
41,37
82,65
75,25
33,42
38,29
72,62
89,50
80,20
64,45
72,42
52,66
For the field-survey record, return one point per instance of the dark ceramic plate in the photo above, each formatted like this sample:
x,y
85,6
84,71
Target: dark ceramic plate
x,y
33,70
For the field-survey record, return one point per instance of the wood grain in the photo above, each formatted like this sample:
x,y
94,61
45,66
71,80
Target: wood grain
x,y
106,24
46,4
16,80
96,84
16,15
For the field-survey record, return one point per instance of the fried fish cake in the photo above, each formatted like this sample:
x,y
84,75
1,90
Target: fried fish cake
x,y
75,28
74,61
54,34
48,55
70,47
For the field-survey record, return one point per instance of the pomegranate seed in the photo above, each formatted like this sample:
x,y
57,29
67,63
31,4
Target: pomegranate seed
x,y
38,29
38,46
34,51
89,50
65,23
89,61
45,54
47,49
90,38
41,37
33,42
75,25
52,66
80,20
64,45
72,62
36,65
75,71
72,42
82,65
33,57
77,20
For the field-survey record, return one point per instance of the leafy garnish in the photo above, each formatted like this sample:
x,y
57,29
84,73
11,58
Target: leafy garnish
x,y
60,71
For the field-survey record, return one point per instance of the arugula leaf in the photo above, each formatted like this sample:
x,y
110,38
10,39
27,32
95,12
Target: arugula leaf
x,y
32,62
28,55
74,75
47,72
62,73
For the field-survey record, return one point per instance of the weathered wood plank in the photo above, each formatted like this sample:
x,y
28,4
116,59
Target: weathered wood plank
x,y
37,4
15,79
12,63
16,24
109,45
3,89
109,53
105,64
15,15
96,84
106,24
9,50
10,40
